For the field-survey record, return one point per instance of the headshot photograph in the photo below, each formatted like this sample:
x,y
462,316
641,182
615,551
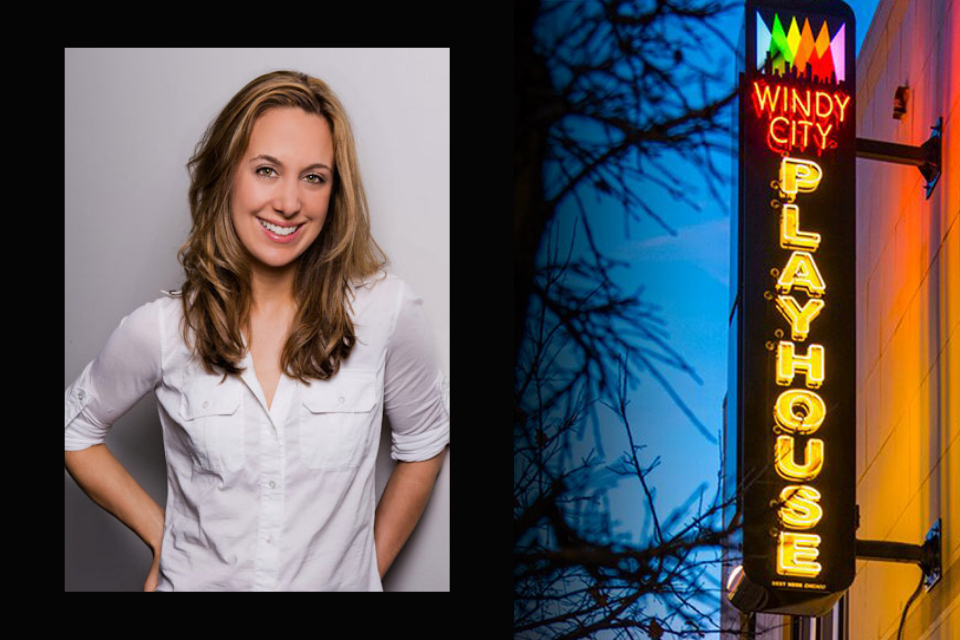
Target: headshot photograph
x,y
257,331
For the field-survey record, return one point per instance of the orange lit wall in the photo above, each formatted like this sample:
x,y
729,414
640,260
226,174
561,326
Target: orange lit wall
x,y
908,312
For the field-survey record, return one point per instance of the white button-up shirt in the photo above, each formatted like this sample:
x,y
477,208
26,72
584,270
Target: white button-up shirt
x,y
278,499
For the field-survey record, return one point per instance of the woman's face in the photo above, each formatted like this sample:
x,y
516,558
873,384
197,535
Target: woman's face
x,y
290,189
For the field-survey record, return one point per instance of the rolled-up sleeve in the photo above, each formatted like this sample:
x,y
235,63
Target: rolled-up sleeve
x,y
416,392
128,366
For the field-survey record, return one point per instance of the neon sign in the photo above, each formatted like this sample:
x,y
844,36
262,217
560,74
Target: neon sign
x,y
799,119
793,318
797,553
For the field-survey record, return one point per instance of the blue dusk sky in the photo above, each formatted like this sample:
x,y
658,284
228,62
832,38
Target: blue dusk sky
x,y
688,276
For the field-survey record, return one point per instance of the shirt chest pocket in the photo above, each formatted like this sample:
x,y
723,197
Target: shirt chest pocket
x,y
212,420
335,417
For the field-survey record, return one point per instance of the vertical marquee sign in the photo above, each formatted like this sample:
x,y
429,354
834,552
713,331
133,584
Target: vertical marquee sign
x,y
797,318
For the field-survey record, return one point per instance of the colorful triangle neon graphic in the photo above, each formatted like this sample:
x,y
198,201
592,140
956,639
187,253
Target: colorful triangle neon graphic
x,y
797,50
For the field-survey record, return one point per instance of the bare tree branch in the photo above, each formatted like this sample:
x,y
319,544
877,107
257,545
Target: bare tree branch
x,y
604,93
608,97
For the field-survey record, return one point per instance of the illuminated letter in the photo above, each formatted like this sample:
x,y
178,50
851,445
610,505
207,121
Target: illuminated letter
x,y
796,553
763,99
790,235
798,318
823,134
773,134
813,411
788,362
822,96
806,132
800,508
787,466
842,104
801,272
799,175
798,103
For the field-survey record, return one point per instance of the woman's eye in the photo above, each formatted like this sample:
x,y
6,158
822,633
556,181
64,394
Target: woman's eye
x,y
319,179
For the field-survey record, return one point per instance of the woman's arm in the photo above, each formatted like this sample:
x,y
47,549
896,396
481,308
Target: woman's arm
x,y
110,485
401,506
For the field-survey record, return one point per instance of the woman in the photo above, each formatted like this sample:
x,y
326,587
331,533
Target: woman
x,y
272,367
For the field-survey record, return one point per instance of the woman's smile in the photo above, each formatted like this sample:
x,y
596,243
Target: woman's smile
x,y
280,234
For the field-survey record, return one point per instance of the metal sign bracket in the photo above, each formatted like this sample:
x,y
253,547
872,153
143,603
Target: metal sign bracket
x,y
926,555
926,157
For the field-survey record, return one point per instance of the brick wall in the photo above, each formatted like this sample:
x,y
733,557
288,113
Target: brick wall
x,y
908,311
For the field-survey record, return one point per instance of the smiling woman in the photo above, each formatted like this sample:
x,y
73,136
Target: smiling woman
x,y
272,205
280,156
273,369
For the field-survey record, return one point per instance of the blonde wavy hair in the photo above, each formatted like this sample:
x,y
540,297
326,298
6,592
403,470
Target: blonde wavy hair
x,y
216,295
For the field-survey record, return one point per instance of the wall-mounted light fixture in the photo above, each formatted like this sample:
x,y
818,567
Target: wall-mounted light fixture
x,y
900,102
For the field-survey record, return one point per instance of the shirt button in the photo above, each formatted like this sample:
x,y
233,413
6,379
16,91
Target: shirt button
x,y
340,399
81,395
269,539
273,485
204,404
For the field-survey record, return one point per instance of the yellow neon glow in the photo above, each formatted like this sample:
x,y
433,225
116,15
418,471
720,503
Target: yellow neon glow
x,y
801,272
787,465
796,554
799,175
773,130
801,508
734,580
799,412
812,411
799,318
790,235
788,362
842,104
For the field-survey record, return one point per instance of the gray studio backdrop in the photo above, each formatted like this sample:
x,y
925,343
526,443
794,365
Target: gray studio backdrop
x,y
133,118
